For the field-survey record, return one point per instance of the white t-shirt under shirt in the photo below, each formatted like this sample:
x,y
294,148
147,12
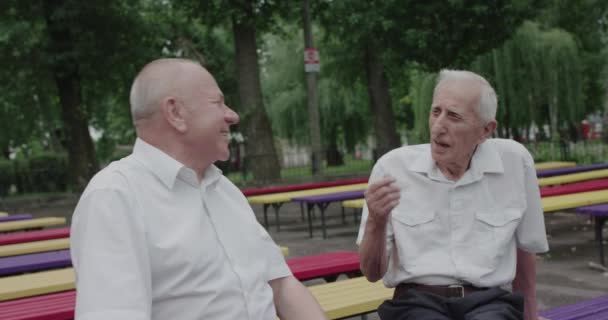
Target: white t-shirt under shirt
x,y
444,232
149,242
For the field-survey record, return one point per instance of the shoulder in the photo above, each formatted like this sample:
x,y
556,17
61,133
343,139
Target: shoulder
x,y
117,176
511,150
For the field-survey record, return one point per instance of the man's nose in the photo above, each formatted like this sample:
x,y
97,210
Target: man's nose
x,y
231,116
438,125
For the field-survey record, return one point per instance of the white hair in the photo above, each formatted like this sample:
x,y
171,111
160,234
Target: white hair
x,y
488,101
152,84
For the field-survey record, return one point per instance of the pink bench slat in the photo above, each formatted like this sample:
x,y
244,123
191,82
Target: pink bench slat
x,y
297,187
56,306
323,265
574,188
29,236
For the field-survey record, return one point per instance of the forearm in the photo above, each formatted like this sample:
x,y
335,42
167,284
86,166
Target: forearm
x,y
372,251
525,282
293,301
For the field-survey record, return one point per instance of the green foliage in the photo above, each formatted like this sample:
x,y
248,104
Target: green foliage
x,y
48,172
7,177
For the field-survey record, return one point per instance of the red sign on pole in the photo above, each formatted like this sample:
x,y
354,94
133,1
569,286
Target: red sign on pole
x,y
311,60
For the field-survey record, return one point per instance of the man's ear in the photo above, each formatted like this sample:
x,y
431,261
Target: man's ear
x,y
488,130
175,113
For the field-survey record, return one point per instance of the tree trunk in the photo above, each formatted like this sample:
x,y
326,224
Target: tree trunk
x,y
259,144
82,163
380,103
333,156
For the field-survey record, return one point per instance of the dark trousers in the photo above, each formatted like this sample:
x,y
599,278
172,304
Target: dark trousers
x,y
491,304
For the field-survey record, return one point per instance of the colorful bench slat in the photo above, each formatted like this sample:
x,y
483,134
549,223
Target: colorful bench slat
x,y
574,177
298,187
327,265
56,306
561,171
31,224
553,165
574,188
351,297
34,247
592,309
574,200
3,214
34,262
34,235
16,217
33,284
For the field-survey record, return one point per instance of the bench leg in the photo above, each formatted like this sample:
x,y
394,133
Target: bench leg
x,y
343,216
266,215
599,225
323,206
302,210
310,208
276,207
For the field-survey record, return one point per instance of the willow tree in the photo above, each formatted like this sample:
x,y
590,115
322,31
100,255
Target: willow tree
x,y
537,77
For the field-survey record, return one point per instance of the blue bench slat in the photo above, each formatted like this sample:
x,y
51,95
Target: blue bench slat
x,y
34,262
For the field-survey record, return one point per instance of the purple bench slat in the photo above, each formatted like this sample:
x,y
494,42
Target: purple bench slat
x,y
34,262
596,308
560,171
331,197
595,210
15,217
322,201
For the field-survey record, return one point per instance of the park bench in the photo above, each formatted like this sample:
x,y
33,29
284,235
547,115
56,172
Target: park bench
x,y
339,300
599,212
276,200
322,202
3,214
299,187
34,247
553,165
592,309
16,217
37,223
34,235
573,177
569,170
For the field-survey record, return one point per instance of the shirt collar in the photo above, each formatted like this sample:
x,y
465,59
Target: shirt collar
x,y
168,169
485,159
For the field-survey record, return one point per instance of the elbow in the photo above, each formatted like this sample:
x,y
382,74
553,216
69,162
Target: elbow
x,y
370,274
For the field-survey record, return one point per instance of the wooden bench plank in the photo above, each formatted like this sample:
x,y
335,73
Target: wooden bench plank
x,y
575,200
287,196
3,214
592,309
33,247
574,177
31,224
347,298
55,306
554,165
28,285
16,217
34,235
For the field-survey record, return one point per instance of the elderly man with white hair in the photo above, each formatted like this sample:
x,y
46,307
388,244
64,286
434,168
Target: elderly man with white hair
x,y
454,225
162,234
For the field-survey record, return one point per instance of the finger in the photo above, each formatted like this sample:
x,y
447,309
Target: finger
x,y
381,183
380,194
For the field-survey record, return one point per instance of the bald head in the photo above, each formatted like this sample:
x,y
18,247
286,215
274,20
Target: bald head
x,y
157,80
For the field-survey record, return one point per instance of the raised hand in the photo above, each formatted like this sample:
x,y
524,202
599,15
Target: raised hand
x,y
382,197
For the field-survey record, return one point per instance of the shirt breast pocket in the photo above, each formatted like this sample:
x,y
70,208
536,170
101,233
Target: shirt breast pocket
x,y
495,230
416,236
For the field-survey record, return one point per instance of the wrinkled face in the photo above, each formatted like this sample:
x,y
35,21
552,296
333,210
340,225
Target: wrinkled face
x,y
208,118
455,127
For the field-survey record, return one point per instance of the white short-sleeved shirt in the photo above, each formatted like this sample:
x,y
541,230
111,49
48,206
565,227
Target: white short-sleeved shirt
x,y
149,242
444,232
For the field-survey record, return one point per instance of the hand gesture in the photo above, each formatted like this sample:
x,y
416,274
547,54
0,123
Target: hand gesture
x,y
381,198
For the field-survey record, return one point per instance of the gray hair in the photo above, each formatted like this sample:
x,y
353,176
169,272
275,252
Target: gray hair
x,y
488,101
153,83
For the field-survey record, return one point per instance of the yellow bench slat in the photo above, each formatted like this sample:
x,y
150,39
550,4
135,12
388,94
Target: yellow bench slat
x,y
31,223
554,165
34,247
574,200
357,203
350,297
3,214
574,177
287,196
33,284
